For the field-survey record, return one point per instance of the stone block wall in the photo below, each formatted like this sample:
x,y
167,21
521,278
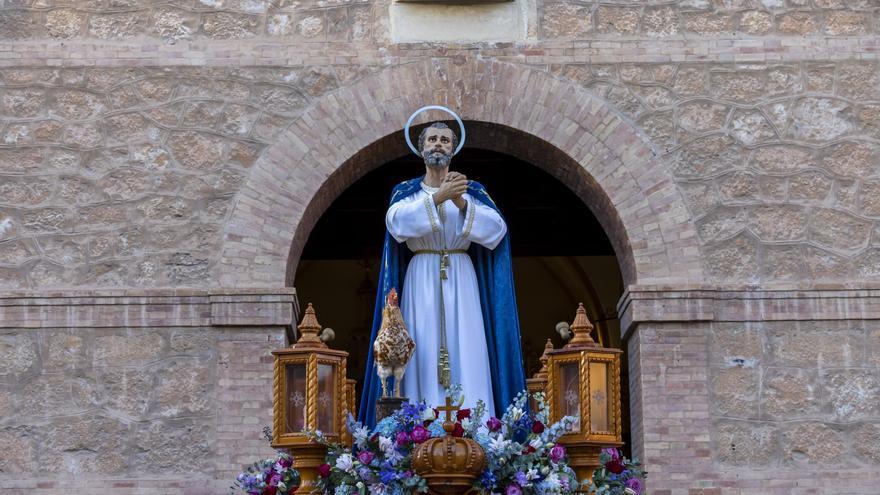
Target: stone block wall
x,y
735,405
167,403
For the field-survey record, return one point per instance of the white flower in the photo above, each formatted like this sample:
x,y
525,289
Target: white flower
x,y
386,444
393,457
345,463
466,423
360,435
377,489
498,444
515,413
282,486
552,482
531,474
428,414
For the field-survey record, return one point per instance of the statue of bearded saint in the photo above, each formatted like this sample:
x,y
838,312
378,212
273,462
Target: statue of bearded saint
x,y
448,254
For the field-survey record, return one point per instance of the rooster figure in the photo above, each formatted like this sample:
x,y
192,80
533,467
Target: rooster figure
x,y
393,347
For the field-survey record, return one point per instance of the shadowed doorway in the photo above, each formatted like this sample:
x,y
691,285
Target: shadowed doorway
x,y
561,256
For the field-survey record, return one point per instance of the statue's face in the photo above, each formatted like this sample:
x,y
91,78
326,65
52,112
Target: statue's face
x,y
437,150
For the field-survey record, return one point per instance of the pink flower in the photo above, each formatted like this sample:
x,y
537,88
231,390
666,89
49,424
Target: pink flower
x,y
324,470
557,453
494,424
513,489
401,438
285,462
366,457
419,434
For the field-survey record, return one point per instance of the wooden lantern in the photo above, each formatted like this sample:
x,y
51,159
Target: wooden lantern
x,y
310,393
583,379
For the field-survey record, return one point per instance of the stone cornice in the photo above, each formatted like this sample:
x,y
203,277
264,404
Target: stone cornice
x,y
147,308
692,303
268,52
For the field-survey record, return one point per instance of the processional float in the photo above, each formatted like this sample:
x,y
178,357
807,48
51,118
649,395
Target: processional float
x,y
311,393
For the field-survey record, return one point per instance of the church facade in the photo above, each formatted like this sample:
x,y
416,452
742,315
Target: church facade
x,y
163,164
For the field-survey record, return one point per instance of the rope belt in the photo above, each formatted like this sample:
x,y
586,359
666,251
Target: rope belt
x,y
444,370
440,251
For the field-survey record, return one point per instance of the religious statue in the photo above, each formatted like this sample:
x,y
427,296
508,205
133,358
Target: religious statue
x,y
455,280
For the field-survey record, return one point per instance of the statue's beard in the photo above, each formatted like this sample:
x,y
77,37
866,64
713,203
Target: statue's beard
x,y
436,159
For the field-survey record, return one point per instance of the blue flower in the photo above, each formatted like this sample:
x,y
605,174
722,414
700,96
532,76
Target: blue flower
x,y
488,479
436,429
387,427
386,476
412,412
521,478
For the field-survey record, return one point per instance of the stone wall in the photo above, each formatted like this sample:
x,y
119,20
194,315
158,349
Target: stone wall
x,y
173,400
361,20
730,148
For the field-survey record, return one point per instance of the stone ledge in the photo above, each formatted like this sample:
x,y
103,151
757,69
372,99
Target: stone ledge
x,y
598,49
694,303
148,308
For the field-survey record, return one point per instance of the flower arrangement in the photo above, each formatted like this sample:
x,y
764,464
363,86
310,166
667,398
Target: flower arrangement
x,y
275,476
523,455
618,475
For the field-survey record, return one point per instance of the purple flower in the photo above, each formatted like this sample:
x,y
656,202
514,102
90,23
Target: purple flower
x,y
419,434
557,453
401,438
366,457
513,489
494,424
635,485
521,478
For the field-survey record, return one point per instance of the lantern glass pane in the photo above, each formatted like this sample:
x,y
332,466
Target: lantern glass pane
x,y
296,397
326,398
569,385
600,406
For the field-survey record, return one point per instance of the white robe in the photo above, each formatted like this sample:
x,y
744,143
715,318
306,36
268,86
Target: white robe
x,y
416,221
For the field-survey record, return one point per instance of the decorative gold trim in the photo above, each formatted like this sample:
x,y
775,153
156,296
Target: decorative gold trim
x,y
312,392
278,407
470,219
430,210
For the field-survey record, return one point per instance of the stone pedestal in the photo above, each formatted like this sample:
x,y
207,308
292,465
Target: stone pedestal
x,y
386,406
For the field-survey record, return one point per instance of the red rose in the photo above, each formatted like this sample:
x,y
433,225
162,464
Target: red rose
x,y
537,427
462,414
615,466
270,490
458,431
528,450
324,470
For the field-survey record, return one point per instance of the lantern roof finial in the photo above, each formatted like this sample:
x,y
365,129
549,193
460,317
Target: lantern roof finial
x,y
308,331
581,327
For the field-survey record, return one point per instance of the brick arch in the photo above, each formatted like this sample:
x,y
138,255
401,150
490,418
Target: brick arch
x,y
563,128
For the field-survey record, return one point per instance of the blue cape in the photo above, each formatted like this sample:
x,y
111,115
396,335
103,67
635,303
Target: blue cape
x,y
497,300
